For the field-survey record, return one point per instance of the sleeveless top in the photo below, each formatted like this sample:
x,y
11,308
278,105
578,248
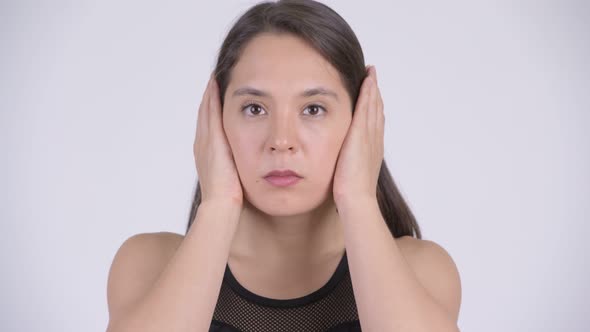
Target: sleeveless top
x,y
331,308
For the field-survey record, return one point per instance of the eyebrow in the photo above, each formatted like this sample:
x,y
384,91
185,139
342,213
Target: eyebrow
x,y
306,93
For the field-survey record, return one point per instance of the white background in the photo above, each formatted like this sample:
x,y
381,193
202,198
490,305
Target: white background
x,y
487,137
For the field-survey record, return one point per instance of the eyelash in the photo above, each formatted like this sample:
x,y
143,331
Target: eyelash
x,y
248,104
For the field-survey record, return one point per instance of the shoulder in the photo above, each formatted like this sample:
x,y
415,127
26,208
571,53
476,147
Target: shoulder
x,y
435,269
136,265
156,240
151,247
148,250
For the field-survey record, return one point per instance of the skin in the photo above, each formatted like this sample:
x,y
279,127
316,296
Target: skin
x,y
293,230
284,244
293,235
282,234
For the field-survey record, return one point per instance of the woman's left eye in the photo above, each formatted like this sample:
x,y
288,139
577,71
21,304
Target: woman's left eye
x,y
315,106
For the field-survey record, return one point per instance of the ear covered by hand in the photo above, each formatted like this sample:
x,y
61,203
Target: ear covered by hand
x,y
218,175
361,154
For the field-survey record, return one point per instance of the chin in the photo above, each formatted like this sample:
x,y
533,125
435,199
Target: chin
x,y
286,203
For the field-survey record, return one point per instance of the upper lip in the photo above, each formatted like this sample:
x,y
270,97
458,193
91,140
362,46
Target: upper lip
x,y
282,172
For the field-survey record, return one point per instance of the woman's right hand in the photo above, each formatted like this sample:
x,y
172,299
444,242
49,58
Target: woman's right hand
x,y
216,168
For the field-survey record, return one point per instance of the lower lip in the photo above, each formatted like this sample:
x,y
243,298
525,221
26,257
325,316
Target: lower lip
x,y
282,181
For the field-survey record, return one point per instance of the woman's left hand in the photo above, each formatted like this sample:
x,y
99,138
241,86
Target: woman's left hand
x,y
361,154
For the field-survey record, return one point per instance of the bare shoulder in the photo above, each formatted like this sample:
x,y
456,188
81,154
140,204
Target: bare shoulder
x,y
435,269
408,245
136,265
417,250
148,247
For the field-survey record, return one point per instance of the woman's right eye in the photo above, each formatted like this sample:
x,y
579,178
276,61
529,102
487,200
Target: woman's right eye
x,y
255,109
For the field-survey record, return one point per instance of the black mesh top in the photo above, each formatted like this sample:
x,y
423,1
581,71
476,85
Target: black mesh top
x,y
330,308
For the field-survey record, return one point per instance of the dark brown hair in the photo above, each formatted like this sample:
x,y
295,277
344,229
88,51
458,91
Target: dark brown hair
x,y
328,33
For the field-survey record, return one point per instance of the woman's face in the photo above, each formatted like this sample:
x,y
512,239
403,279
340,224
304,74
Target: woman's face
x,y
280,128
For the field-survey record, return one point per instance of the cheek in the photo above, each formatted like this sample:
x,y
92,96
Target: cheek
x,y
245,150
323,155
330,139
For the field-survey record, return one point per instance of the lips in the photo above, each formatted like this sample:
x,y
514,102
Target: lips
x,y
286,173
282,178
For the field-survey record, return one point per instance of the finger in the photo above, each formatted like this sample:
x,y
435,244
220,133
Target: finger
x,y
203,116
380,126
380,113
379,105
214,107
380,117
379,99
372,109
380,120
360,110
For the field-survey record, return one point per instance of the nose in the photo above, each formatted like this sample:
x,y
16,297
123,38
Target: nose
x,y
283,135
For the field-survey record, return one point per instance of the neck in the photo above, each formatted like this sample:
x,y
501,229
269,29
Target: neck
x,y
311,236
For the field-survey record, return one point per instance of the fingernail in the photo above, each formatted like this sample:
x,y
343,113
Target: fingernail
x,y
369,70
213,84
375,72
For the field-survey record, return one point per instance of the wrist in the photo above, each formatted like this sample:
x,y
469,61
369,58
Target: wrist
x,y
345,204
222,205
356,205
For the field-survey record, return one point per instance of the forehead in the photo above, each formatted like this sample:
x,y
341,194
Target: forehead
x,y
283,64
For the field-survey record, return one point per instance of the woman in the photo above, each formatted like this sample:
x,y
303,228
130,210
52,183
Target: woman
x,y
296,223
